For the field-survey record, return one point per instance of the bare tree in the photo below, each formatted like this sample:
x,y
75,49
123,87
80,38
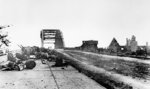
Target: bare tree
x,y
3,37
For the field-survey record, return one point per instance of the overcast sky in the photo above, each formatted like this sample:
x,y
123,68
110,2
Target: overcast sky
x,y
78,20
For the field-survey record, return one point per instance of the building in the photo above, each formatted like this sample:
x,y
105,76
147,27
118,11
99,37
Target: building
x,y
114,46
90,45
131,47
131,44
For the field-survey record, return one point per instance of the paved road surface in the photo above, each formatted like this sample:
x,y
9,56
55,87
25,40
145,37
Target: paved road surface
x,y
42,78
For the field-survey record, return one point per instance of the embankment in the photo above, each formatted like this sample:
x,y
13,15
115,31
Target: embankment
x,y
107,79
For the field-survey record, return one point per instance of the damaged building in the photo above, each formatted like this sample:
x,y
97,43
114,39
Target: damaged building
x,y
130,47
114,46
131,44
89,45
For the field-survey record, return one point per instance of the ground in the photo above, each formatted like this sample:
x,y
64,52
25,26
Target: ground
x,y
41,77
131,71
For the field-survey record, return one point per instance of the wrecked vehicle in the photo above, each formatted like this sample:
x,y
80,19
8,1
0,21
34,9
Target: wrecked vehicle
x,y
17,62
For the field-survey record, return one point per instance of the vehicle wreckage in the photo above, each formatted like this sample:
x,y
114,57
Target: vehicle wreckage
x,y
17,62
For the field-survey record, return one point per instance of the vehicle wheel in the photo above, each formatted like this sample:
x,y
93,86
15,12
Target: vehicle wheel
x,y
30,64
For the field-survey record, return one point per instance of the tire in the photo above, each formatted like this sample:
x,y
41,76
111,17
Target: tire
x,y
30,64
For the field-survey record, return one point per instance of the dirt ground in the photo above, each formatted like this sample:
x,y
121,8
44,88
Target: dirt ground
x,y
42,78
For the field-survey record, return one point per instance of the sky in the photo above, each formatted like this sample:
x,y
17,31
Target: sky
x,y
78,20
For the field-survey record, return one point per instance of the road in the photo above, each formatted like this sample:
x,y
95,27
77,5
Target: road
x,y
42,78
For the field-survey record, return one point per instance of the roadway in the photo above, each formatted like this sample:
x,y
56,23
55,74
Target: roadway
x,y
43,76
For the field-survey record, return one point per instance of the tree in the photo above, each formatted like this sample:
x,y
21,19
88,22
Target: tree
x,y
3,37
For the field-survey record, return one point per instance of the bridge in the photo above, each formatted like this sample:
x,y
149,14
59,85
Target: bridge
x,y
53,38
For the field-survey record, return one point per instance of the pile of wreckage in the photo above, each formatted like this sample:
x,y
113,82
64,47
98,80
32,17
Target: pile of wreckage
x,y
26,58
17,61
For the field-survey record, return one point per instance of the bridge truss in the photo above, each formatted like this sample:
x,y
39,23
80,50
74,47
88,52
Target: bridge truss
x,y
52,36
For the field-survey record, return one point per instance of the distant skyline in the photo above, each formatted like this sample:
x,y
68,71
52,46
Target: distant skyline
x,y
78,20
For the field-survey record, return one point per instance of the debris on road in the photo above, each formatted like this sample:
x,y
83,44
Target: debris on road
x,y
17,61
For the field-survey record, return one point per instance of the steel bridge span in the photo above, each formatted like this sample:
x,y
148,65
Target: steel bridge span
x,y
52,37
